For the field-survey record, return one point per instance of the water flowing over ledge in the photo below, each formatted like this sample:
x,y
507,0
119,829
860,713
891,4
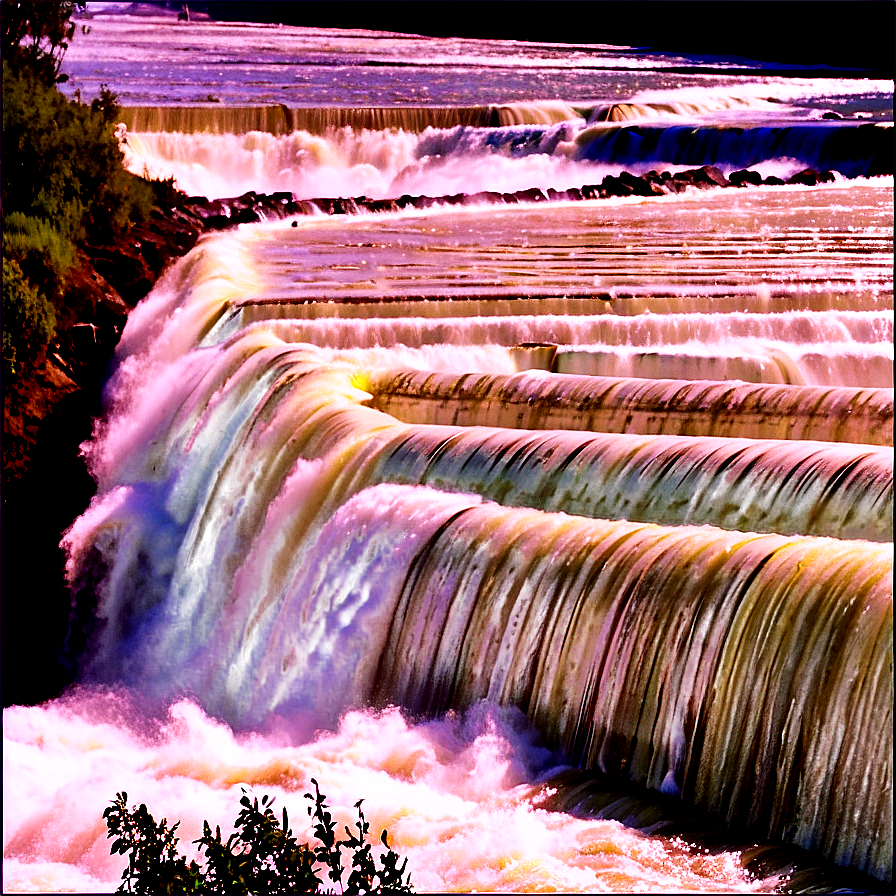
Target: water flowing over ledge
x,y
571,482
311,528
390,151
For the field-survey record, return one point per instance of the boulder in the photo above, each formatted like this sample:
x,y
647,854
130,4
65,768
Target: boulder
x,y
743,177
382,205
616,186
808,177
125,268
531,195
337,206
641,186
704,178
484,197
408,201
246,216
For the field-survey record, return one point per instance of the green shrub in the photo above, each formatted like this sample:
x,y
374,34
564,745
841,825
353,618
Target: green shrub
x,y
63,184
62,161
261,856
42,252
29,321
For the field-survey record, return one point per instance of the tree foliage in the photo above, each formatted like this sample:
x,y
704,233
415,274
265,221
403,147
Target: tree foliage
x,y
261,856
64,182
62,161
36,35
29,321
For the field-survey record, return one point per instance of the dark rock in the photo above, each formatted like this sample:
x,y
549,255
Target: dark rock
x,y
591,191
532,195
836,116
382,205
671,185
807,177
408,201
616,186
246,216
484,197
178,233
206,209
772,181
641,186
826,177
714,176
218,222
743,177
704,178
126,269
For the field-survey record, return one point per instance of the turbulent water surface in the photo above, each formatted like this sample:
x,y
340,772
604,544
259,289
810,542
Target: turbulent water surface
x,y
560,532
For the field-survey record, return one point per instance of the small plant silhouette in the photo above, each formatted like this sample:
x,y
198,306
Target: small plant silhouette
x,y
261,856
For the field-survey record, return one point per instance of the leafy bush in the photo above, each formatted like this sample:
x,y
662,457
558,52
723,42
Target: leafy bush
x,y
164,190
29,321
261,856
62,161
44,254
63,183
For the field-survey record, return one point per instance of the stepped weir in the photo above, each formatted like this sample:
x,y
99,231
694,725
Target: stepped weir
x,y
330,493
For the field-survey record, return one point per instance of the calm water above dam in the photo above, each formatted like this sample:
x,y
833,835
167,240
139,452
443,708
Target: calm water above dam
x,y
560,532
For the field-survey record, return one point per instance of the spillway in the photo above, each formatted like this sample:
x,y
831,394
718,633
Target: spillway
x,y
533,524
676,580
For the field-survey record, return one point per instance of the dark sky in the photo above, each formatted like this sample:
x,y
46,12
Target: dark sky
x,y
857,33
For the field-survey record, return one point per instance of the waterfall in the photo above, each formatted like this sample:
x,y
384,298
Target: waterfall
x,y
690,660
487,513
281,119
854,151
385,151
600,404
687,584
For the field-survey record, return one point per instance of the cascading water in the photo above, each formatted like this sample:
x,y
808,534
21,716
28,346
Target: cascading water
x,y
471,463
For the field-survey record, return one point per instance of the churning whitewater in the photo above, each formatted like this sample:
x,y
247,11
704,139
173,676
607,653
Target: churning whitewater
x,y
560,532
